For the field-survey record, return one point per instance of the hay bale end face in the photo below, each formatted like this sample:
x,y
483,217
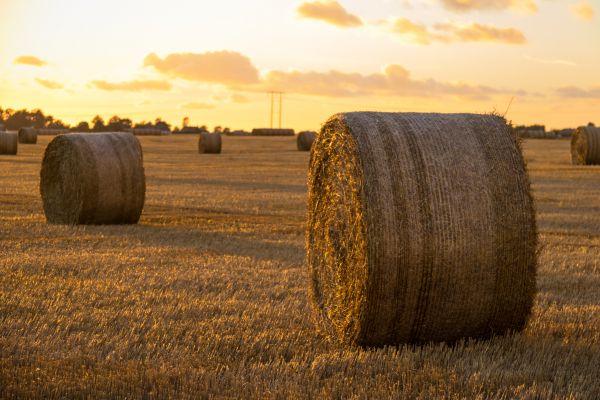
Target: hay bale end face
x,y
8,143
209,143
28,135
585,146
93,178
421,227
305,140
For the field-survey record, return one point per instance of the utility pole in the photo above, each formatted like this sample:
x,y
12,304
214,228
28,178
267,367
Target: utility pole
x,y
273,107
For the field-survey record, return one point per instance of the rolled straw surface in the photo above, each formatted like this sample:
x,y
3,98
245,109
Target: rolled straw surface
x,y
8,143
305,140
209,143
93,178
585,146
421,227
28,135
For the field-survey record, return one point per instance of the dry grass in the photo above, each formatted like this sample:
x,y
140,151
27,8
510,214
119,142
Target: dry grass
x,y
206,297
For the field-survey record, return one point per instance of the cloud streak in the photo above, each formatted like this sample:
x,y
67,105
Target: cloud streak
x,y
226,67
451,32
579,93
29,60
49,84
556,61
493,5
583,11
330,12
132,86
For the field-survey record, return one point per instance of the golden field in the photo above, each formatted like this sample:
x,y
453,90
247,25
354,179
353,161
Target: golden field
x,y
207,296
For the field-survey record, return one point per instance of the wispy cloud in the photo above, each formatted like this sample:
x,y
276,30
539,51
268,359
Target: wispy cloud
x,y
133,86
330,12
566,63
471,5
197,106
239,98
226,67
580,93
29,60
452,32
49,84
583,10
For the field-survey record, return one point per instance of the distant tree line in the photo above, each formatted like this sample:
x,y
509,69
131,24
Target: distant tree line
x,y
16,119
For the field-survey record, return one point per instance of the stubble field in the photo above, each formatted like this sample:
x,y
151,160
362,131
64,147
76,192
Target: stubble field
x,y
206,297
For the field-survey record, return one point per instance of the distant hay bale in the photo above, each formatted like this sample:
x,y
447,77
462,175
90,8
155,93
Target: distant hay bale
x,y
272,132
28,135
585,146
8,143
209,143
148,132
421,227
51,131
93,178
305,140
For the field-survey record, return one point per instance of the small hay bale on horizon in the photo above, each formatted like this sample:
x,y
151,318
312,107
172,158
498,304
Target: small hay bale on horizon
x,y
93,178
8,143
209,143
305,139
28,135
585,146
272,132
421,228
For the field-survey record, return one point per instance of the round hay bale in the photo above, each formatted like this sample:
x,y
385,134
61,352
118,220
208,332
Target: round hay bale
x,y
209,143
8,143
585,146
421,227
28,136
305,140
93,178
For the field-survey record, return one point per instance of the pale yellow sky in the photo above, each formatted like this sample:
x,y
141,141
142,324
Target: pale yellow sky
x,y
214,61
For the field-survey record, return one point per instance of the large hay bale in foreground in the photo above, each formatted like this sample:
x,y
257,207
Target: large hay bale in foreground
x,y
421,227
8,143
93,178
585,146
272,132
305,140
28,135
209,143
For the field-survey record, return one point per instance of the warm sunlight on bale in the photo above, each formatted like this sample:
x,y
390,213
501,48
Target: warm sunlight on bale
x,y
585,146
28,135
209,143
8,143
421,227
93,178
272,132
148,132
305,140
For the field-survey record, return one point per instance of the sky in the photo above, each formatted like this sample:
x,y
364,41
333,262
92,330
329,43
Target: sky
x,y
537,61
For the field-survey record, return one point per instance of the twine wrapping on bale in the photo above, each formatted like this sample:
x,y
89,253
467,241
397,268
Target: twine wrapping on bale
x,y
28,135
93,178
305,140
421,227
585,146
8,143
209,143
272,132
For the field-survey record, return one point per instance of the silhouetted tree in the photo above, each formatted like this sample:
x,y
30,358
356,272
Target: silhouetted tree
x,y
83,126
162,125
98,124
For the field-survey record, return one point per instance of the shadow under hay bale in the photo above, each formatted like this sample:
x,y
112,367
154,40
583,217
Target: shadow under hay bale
x,y
585,146
28,136
209,143
421,227
305,140
93,178
8,143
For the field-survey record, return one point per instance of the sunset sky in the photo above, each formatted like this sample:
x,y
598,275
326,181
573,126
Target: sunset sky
x,y
215,61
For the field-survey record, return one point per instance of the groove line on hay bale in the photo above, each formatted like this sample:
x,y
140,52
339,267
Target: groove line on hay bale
x,y
93,179
447,238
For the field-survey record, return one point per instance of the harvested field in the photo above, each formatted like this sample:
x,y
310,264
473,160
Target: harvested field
x,y
207,295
